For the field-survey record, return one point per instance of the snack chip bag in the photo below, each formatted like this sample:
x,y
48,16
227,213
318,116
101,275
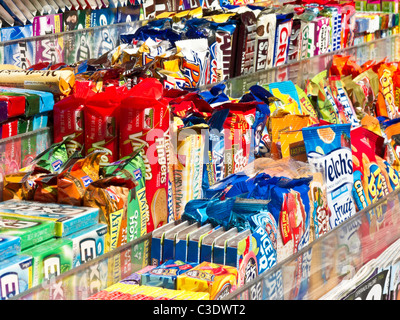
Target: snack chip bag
x,y
53,158
110,195
369,83
73,181
46,188
370,184
329,152
385,105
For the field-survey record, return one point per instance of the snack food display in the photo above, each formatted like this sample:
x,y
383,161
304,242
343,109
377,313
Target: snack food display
x,y
150,143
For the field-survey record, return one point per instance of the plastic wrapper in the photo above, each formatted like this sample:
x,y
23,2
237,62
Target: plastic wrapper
x,y
73,181
385,105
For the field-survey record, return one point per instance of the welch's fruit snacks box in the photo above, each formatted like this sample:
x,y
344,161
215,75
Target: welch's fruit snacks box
x,y
30,231
329,151
68,219
15,276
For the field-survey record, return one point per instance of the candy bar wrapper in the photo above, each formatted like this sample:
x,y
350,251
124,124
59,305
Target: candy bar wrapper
x,y
188,169
284,24
265,40
336,30
110,195
307,39
58,82
223,50
20,54
74,180
217,280
194,61
50,49
322,35
145,122
79,45
294,53
44,99
245,43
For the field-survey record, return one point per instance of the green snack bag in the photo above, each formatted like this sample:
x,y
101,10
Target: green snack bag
x,y
326,105
129,167
53,158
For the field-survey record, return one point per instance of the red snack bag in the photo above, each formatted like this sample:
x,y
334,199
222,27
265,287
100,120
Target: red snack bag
x,y
68,115
144,118
102,123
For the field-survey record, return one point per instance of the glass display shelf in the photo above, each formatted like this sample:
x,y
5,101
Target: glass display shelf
x,y
345,263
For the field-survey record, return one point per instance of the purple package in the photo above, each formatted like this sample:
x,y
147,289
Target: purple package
x,y
49,49
134,278
3,111
322,35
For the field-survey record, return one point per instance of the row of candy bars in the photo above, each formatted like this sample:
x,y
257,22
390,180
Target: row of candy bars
x,y
174,280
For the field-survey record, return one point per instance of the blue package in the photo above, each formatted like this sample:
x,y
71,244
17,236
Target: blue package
x,y
9,246
22,53
165,275
106,38
15,276
40,121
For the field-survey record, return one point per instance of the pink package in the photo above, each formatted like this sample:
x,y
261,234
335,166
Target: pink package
x,y
322,35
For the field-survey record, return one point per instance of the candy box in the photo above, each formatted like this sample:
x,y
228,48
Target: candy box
x,y
157,241
44,99
194,245
322,35
15,276
182,241
9,246
220,245
165,274
88,243
215,279
68,219
50,258
30,231
207,245
135,277
170,239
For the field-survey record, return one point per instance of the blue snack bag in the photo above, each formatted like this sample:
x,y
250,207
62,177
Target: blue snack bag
x,y
329,151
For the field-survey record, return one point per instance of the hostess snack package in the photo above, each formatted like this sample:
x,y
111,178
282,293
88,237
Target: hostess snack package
x,y
17,273
31,231
73,181
147,105
329,151
217,280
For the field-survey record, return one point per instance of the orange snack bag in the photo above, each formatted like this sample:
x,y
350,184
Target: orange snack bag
x,y
385,105
74,180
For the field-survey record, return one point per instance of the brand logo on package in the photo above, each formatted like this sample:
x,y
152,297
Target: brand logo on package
x,y
57,165
51,266
9,286
86,181
87,248
18,224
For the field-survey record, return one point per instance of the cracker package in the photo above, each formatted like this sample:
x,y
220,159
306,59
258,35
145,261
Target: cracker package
x,y
329,151
145,121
